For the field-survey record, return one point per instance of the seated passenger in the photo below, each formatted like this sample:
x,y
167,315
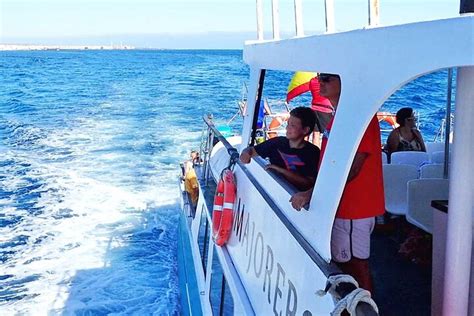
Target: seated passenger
x,y
292,156
195,158
406,137
190,179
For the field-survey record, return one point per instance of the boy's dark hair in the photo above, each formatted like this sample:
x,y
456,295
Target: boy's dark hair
x,y
403,114
306,116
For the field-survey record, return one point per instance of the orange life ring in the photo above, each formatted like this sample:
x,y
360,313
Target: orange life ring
x,y
276,122
388,118
223,210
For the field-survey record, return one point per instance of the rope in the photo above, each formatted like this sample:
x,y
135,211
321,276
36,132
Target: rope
x,y
333,282
351,300
234,157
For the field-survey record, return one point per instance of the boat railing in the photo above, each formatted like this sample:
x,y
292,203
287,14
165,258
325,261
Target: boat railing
x,y
443,130
212,134
328,269
373,17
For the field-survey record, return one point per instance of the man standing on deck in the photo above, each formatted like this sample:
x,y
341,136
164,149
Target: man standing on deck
x,y
362,199
323,109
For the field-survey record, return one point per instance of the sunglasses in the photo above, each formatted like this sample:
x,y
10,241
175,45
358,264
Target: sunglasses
x,y
326,77
411,119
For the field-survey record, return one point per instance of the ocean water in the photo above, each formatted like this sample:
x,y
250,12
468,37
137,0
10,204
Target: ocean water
x,y
90,145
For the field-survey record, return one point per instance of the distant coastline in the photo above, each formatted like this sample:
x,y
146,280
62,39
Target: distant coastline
x,y
12,47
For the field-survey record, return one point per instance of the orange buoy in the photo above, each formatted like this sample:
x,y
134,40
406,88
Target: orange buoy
x,y
222,213
276,122
217,208
388,118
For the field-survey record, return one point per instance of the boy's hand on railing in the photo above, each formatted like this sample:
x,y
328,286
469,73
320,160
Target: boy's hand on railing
x,y
247,154
274,167
301,199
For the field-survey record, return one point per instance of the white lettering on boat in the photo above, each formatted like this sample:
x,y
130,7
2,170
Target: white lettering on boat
x,y
275,283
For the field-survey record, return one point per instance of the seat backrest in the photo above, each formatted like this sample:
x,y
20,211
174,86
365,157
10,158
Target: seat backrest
x,y
415,158
438,156
432,171
395,178
420,194
431,147
384,158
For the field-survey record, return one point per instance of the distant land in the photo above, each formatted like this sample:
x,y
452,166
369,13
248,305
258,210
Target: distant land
x,y
10,47
198,40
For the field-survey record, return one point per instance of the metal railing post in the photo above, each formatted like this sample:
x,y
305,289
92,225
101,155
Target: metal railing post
x,y
447,129
329,15
374,18
260,20
211,141
207,145
299,18
276,19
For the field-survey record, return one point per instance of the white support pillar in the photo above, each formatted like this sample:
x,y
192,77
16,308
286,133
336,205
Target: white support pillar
x,y
374,17
299,18
260,20
461,206
329,14
276,19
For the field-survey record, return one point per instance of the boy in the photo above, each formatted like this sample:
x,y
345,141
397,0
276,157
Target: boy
x,y
292,156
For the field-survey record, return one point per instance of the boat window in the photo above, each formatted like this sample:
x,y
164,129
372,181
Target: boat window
x,y
404,248
282,92
220,296
203,238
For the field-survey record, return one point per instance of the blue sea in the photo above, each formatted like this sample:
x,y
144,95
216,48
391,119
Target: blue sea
x,y
90,146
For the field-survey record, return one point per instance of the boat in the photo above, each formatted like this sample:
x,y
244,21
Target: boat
x,y
278,261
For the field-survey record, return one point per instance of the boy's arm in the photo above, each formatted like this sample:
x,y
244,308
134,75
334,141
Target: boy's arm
x,y
262,150
300,199
297,180
247,154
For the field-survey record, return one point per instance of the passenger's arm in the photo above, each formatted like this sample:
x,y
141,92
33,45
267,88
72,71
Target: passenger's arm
x,y
300,199
420,139
296,179
357,164
392,141
247,154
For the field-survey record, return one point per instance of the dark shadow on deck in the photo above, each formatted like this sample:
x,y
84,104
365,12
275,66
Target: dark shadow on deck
x,y
401,287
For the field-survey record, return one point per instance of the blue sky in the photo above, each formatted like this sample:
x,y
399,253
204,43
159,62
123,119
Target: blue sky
x,y
186,24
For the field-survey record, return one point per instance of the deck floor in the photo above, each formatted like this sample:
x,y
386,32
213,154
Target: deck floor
x,y
401,287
